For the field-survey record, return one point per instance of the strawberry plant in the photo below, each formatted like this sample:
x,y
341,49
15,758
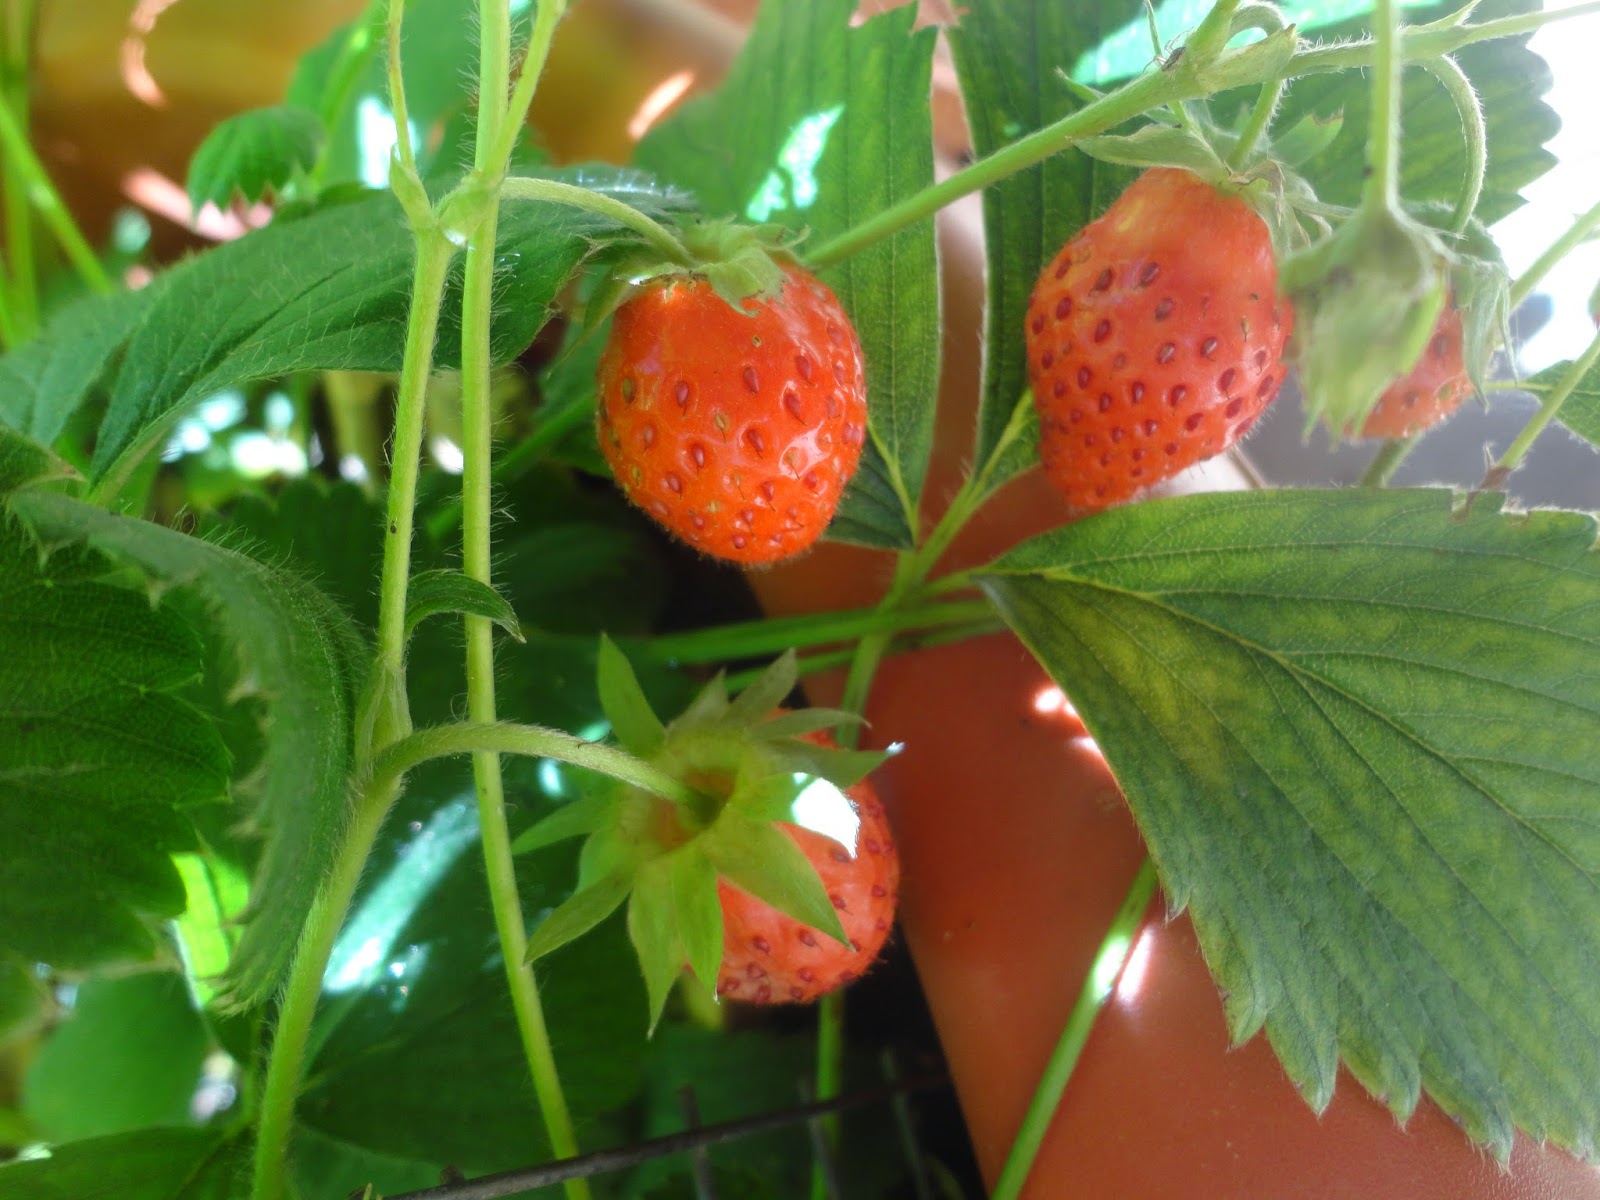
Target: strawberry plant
x,y
406,793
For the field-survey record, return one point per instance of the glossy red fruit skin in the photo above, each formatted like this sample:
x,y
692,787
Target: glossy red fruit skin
x,y
736,432
1155,338
770,958
1430,391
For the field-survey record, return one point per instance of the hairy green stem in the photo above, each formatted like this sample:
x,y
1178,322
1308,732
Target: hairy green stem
x,y
36,182
545,20
299,1004
527,741
1382,189
477,307
529,452
1268,19
1156,90
422,326
1582,229
1097,989
1473,131
22,302
397,90
1384,464
1520,445
554,192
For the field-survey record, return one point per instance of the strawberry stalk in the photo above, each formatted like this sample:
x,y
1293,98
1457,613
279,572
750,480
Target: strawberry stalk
x,y
496,134
1582,229
1097,989
1455,82
1520,445
553,191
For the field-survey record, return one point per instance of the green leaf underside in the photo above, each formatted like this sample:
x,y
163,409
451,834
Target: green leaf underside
x,y
253,154
129,1056
328,290
1510,80
46,379
437,592
23,461
98,759
1357,731
632,719
819,126
150,1164
1581,410
300,655
760,858
1007,58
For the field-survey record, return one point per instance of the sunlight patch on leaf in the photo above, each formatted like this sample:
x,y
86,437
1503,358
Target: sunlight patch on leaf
x,y
798,160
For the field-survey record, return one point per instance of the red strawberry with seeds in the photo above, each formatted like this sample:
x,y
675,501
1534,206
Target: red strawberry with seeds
x,y
1430,391
737,431
1155,338
771,958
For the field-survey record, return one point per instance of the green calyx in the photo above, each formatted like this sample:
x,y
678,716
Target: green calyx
x,y
745,766
1366,300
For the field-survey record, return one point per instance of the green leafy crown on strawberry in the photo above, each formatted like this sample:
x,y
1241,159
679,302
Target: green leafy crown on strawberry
x,y
744,764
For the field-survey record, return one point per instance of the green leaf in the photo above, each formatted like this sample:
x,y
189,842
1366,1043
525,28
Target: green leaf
x,y
1009,58
632,719
1307,138
1510,80
417,1056
763,860
149,1164
1357,730
302,657
1581,410
431,593
22,999
584,910
698,910
128,1054
797,135
98,758
579,818
23,461
657,940
330,289
768,690
45,380
254,154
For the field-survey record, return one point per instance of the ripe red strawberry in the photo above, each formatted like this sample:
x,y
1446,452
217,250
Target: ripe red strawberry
x,y
736,431
770,958
1430,391
1154,339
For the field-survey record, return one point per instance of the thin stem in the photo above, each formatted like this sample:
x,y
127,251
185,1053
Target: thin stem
x,y
773,635
829,1083
1476,135
397,91
1580,232
526,453
293,1029
1389,457
477,311
42,193
1146,92
422,326
528,741
1260,119
545,20
554,192
1097,988
1513,456
832,660
23,301
1383,137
